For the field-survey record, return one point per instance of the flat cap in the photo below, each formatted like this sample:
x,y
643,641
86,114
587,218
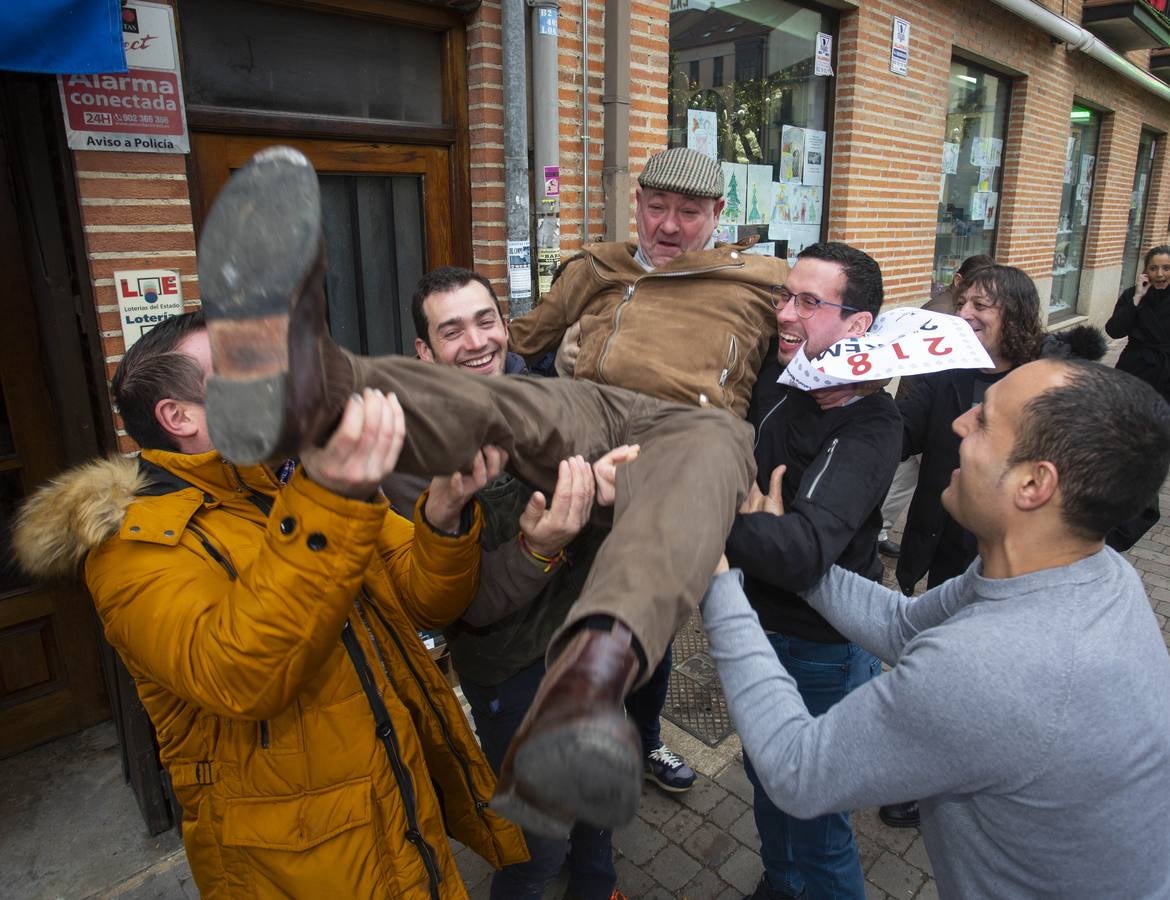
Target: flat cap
x,y
683,171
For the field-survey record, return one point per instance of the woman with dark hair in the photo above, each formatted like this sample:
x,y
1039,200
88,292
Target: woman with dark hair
x,y
1143,315
1001,306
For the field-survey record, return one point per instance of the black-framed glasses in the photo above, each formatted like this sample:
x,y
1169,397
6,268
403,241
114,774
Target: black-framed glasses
x,y
806,304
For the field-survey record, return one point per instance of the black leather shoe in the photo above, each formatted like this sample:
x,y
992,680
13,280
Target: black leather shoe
x,y
891,549
900,815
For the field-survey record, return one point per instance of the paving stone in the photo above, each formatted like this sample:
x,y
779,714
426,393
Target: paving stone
x,y
657,807
742,871
658,893
729,809
867,849
744,831
710,845
704,796
895,876
473,867
638,841
867,822
872,892
735,780
917,857
703,886
681,825
672,868
731,894
631,880
929,891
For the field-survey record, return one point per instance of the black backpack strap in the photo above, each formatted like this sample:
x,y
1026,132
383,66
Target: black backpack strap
x,y
384,729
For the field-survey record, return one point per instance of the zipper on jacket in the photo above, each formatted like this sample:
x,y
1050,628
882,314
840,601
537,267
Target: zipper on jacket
x,y
213,552
263,734
617,318
760,427
260,501
401,776
480,805
617,315
828,459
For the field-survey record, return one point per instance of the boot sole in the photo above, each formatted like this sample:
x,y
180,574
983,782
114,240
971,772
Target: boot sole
x,y
258,245
591,769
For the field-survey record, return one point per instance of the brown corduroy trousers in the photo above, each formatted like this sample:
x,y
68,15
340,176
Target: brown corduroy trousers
x,y
675,503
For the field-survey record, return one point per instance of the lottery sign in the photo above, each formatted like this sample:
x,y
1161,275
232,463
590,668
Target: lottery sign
x,y
901,342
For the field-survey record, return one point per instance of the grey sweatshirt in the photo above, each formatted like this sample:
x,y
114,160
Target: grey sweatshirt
x,y
1029,716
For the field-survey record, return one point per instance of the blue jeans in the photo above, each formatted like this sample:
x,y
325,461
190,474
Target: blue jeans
x,y
644,705
498,711
817,855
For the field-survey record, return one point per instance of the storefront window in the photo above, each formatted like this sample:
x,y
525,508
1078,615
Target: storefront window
x,y
767,125
1080,158
972,168
1137,209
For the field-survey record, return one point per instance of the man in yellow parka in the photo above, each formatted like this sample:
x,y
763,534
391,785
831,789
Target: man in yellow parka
x,y
315,748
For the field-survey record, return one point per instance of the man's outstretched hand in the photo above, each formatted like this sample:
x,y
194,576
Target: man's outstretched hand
x,y
547,529
771,502
605,471
450,493
363,449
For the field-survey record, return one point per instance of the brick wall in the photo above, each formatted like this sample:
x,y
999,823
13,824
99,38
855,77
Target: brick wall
x,y
888,130
136,214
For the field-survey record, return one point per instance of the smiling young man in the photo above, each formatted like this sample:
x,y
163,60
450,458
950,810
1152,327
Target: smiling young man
x,y
1026,706
839,463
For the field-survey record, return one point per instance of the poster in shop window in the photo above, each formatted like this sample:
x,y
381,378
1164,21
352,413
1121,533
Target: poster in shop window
x,y
814,157
759,194
140,110
950,159
791,154
734,194
701,132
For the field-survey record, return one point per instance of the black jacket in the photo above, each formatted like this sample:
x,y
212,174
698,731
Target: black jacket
x,y
929,407
840,465
1147,325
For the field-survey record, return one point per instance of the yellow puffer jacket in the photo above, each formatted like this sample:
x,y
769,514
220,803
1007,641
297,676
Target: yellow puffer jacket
x,y
229,620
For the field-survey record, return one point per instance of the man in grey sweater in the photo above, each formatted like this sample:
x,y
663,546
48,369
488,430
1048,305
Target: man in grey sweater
x,y
1028,707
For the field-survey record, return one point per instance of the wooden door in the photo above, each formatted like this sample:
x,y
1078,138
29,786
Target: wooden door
x,y
50,669
388,219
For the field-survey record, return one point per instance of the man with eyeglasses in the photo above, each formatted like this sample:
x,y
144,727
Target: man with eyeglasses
x,y
828,470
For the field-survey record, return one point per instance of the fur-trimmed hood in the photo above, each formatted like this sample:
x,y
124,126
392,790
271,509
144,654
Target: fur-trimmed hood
x,y
73,513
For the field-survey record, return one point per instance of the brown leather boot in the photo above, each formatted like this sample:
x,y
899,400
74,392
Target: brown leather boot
x,y
575,757
280,382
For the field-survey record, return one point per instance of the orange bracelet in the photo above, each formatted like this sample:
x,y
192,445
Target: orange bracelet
x,y
548,562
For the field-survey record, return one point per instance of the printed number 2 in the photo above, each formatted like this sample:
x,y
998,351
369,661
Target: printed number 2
x,y
932,346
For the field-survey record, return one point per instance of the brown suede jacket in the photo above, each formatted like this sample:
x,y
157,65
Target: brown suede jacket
x,y
693,331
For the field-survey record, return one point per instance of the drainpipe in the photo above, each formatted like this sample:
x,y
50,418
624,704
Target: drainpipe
x,y
584,122
1082,39
615,172
516,159
546,140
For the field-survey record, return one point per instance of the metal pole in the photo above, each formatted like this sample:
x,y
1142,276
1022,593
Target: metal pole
x,y
516,159
584,122
546,140
615,171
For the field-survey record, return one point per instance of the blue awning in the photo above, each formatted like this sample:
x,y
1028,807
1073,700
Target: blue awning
x,y
62,36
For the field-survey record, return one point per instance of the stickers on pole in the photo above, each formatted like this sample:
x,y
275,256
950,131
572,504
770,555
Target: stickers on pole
x,y
901,342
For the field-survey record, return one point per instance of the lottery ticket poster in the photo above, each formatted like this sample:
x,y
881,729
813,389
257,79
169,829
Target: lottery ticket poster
x,y
901,342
